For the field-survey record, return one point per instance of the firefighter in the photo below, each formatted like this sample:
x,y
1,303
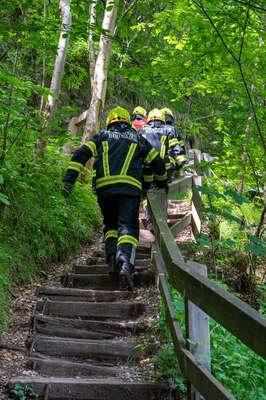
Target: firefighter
x,y
177,150
139,117
119,152
157,135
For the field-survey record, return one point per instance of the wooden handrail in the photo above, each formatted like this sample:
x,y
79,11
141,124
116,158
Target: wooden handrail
x,y
235,315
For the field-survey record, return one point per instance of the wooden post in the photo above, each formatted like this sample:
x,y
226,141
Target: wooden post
x,y
198,332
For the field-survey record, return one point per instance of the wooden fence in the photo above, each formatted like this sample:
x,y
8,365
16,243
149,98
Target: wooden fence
x,y
235,315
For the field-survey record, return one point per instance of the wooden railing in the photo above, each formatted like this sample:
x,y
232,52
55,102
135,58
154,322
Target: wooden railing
x,y
235,315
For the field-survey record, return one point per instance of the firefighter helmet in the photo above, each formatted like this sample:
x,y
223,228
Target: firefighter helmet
x,y
118,114
167,111
168,114
155,115
140,110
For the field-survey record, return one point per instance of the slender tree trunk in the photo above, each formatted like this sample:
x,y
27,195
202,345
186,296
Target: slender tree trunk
x,y
44,57
91,49
6,125
60,58
244,157
100,73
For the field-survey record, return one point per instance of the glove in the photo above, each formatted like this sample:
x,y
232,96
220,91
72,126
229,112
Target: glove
x,y
67,188
163,185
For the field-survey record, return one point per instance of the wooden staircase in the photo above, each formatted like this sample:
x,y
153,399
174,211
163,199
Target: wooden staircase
x,y
85,333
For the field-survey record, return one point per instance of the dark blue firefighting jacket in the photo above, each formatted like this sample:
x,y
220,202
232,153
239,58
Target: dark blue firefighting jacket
x,y
119,154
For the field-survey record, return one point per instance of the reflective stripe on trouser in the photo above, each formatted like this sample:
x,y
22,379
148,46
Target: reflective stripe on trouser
x,y
120,213
110,240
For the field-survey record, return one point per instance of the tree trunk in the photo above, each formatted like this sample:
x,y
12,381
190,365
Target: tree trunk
x,y
244,159
60,58
90,40
100,74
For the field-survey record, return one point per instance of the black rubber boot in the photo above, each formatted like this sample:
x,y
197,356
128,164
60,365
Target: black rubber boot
x,y
125,275
113,270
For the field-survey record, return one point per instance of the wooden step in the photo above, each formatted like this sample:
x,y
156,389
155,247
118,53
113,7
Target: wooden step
x,y
104,281
86,329
88,310
70,294
64,368
102,269
91,389
140,255
143,262
101,350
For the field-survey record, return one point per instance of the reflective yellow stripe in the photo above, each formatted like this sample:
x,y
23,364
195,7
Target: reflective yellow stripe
x,y
114,179
167,165
112,233
173,142
94,172
172,160
128,159
92,146
180,158
162,150
76,166
106,168
161,177
153,153
127,239
181,143
148,178
144,203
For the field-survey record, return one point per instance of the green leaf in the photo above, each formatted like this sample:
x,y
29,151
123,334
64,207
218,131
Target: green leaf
x,y
256,246
235,196
1,179
4,199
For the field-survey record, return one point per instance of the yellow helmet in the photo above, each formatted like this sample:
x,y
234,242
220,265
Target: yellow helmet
x,y
156,115
118,114
140,110
167,111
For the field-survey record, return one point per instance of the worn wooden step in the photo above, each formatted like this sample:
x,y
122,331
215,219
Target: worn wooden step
x,y
104,281
72,294
86,329
143,262
65,368
102,268
101,350
140,255
91,389
88,310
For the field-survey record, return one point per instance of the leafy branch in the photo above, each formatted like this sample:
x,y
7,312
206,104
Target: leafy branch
x,y
239,64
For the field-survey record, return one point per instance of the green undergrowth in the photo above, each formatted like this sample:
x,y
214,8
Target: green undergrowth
x,y
38,226
237,367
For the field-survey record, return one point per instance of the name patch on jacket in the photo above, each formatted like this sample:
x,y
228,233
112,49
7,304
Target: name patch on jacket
x,y
122,135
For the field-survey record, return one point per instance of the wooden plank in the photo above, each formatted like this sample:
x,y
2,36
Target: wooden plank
x,y
104,281
96,389
81,119
102,269
202,379
63,368
69,294
181,225
180,185
171,316
195,221
85,328
101,350
198,331
235,315
90,310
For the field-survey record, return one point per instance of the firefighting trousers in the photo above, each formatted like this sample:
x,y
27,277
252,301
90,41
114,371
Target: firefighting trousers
x,y
121,226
